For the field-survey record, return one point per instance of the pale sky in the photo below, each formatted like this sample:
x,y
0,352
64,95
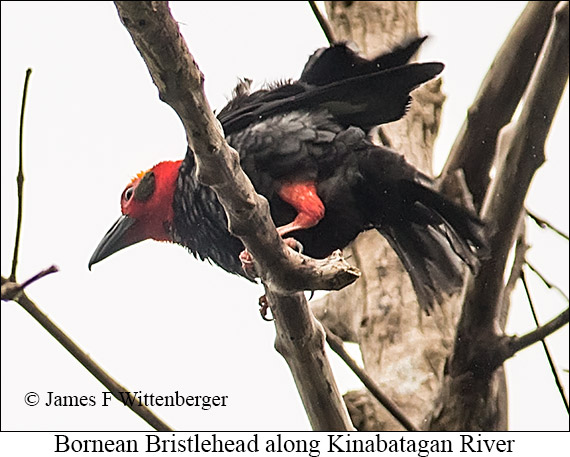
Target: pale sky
x,y
152,316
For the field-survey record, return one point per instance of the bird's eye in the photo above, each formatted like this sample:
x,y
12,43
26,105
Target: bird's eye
x,y
128,194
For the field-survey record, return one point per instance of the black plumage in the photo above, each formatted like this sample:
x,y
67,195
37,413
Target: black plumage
x,y
315,130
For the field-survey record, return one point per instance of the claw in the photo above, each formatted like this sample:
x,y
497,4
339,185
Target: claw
x,y
247,264
264,306
294,244
246,259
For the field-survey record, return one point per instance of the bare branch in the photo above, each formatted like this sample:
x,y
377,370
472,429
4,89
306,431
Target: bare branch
x,y
11,290
474,368
322,22
522,147
545,224
521,342
82,357
498,97
20,179
180,84
337,346
545,281
544,345
300,340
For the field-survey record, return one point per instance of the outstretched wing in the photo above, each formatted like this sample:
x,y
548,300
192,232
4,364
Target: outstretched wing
x,y
354,90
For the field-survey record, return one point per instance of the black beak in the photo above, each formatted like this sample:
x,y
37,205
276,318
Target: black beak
x,y
115,240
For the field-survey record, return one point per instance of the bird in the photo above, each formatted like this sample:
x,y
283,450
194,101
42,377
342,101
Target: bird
x,y
306,146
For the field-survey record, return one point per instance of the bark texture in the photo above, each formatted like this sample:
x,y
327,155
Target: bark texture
x,y
403,350
299,339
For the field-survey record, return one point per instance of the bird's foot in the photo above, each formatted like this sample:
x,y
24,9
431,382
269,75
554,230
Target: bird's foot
x,y
247,264
264,306
294,244
246,258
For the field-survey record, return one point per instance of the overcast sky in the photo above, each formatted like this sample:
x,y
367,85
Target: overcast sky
x,y
154,317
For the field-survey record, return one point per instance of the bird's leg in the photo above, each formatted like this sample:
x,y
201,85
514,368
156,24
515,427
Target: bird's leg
x,y
310,210
303,197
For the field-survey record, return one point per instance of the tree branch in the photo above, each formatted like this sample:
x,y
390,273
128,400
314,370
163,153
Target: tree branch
x,y
300,340
546,282
466,400
518,343
544,345
498,97
156,35
82,357
337,346
20,178
521,146
11,290
542,223
322,22
180,84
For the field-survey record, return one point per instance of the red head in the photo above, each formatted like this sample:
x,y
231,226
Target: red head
x,y
146,204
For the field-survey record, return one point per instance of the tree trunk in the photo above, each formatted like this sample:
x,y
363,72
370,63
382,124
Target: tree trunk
x,y
403,349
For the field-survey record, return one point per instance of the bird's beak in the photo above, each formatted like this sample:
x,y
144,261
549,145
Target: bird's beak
x,y
116,239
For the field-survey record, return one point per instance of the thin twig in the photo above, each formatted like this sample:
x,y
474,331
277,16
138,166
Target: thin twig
x,y
337,346
545,224
10,290
20,179
544,345
118,391
40,275
323,22
546,282
519,343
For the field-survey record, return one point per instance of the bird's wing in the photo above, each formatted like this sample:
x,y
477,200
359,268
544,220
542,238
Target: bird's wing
x,y
363,101
339,61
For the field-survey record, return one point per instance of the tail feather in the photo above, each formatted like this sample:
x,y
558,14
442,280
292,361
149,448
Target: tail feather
x,y
462,228
433,237
433,268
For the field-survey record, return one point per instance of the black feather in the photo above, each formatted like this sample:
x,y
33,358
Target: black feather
x,y
315,129
339,62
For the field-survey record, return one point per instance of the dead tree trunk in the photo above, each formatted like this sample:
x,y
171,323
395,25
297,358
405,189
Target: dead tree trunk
x,y
402,349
